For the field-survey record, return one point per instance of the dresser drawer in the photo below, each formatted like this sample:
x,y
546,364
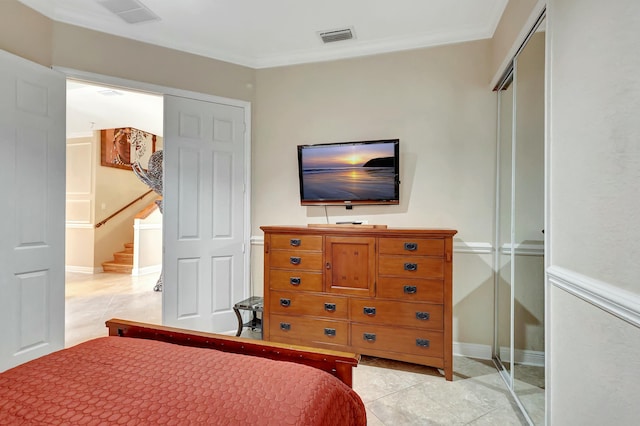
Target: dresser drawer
x,y
417,290
394,339
412,246
420,315
296,242
280,279
294,260
298,303
411,267
302,330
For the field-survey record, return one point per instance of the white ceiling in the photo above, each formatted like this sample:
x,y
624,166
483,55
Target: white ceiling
x,y
268,33
93,107
260,34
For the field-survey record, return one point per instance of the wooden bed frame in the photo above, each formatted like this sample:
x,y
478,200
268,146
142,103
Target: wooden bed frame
x,y
339,364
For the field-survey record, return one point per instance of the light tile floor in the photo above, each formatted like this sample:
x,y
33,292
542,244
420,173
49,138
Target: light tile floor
x,y
394,393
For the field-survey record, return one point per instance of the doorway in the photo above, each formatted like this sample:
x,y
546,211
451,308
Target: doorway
x,y
103,206
210,140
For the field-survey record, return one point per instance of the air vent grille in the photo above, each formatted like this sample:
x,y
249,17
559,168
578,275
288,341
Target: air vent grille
x,y
131,11
337,35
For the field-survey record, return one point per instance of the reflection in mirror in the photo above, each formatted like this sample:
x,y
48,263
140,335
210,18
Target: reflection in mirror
x,y
503,285
528,223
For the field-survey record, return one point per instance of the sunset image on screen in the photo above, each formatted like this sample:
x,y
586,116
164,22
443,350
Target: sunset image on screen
x,y
338,156
358,171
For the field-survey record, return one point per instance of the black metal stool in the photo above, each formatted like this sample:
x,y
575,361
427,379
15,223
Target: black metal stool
x,y
254,304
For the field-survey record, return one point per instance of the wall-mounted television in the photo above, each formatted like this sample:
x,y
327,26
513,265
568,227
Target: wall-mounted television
x,y
350,173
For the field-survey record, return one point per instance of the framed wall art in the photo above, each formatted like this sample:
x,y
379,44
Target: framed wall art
x,y
122,147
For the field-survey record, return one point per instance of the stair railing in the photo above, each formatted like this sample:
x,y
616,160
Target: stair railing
x,y
99,224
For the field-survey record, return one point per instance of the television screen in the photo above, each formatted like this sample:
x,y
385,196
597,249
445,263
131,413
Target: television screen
x,y
365,172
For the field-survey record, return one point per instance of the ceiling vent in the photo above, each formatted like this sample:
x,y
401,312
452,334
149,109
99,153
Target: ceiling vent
x,y
337,35
131,11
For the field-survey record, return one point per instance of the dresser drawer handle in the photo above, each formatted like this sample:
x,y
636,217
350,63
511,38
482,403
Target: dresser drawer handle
x,y
411,246
330,307
410,266
329,331
285,326
422,315
295,260
369,311
295,242
410,289
285,302
369,337
423,343
295,280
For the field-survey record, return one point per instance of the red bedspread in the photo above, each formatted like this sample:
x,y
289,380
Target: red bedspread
x,y
118,380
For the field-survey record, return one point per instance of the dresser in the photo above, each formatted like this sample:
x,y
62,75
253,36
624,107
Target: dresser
x,y
372,290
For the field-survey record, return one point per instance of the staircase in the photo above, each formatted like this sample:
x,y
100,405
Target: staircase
x,y
122,262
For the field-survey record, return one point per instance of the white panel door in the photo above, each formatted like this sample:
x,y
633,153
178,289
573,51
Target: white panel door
x,y
204,213
32,196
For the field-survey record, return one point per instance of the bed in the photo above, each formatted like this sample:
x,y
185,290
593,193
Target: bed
x,y
147,374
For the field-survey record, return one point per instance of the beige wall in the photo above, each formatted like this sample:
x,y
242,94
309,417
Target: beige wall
x,y
437,102
148,244
25,32
516,21
593,101
114,189
101,53
79,235
93,193
434,100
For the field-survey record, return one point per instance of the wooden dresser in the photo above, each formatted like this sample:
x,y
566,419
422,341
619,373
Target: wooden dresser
x,y
375,291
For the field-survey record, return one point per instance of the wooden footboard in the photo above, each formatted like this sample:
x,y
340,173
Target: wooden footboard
x,y
340,364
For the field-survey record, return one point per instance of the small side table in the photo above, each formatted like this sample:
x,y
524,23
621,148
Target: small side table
x,y
254,304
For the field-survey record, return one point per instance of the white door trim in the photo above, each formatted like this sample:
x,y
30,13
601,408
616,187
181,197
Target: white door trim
x,y
164,90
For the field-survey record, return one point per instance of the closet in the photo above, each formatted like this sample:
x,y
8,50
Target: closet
x,y
519,262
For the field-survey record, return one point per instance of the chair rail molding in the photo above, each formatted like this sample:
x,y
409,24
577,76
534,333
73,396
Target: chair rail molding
x,y
617,301
530,249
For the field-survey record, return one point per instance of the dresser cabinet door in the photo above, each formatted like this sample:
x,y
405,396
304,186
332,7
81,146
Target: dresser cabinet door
x,y
350,265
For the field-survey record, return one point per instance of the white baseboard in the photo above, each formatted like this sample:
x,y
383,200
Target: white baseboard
x,y
475,350
472,350
154,269
83,269
147,226
524,357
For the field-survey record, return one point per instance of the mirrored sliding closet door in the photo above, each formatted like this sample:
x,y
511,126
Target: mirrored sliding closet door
x,y
519,329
